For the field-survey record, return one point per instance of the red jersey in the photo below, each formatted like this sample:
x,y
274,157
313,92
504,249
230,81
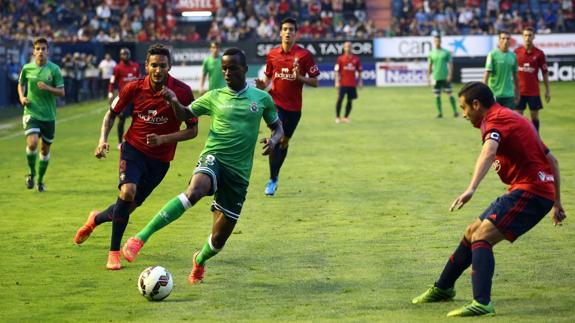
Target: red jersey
x,y
152,115
286,90
124,73
529,64
521,160
346,67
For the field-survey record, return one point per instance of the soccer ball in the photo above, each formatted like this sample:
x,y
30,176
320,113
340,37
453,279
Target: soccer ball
x,y
155,283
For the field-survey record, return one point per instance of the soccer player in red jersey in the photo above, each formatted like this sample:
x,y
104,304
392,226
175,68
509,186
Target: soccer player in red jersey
x,y
530,60
126,71
149,147
288,68
512,147
346,68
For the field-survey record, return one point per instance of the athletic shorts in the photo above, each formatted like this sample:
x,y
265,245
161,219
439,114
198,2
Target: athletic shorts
x,y
516,212
137,168
442,84
45,129
351,92
289,120
534,103
228,188
508,102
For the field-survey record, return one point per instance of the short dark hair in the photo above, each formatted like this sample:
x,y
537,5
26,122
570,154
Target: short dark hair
x,y
236,51
477,91
529,28
503,32
289,20
159,49
40,40
215,43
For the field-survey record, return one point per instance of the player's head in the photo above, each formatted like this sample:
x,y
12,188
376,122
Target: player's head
x,y
158,63
528,36
504,40
474,99
347,47
437,40
234,68
40,50
215,48
288,28
125,54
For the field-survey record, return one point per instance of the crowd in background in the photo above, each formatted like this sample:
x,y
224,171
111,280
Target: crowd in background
x,y
475,17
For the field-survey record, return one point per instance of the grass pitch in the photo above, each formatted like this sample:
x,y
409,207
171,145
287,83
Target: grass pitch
x,y
359,224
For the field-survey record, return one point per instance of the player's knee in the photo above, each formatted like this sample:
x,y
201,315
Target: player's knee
x,y
469,232
128,192
284,142
219,240
195,193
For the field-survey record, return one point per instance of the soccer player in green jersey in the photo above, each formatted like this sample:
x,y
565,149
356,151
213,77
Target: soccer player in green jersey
x,y
39,84
441,69
212,67
225,164
501,73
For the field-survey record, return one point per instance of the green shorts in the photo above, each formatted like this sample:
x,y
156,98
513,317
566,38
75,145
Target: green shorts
x,y
508,102
228,188
442,84
45,129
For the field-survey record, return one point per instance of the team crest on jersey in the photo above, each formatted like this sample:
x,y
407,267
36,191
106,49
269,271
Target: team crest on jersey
x,y
254,107
49,78
496,165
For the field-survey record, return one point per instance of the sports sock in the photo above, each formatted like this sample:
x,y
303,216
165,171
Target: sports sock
x,y
276,161
42,167
208,251
348,107
31,156
120,129
168,214
120,219
483,266
453,106
106,215
536,124
456,265
438,104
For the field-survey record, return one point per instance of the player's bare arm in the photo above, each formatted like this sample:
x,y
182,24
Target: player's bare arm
x,y
429,70
53,90
21,94
277,134
486,75
558,211
182,135
107,124
482,165
449,72
547,90
181,111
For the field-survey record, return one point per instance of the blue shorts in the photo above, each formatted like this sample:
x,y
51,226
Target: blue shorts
x,y
137,168
534,103
516,212
349,90
289,120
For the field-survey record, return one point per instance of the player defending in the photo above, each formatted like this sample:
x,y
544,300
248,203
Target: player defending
x,y
212,67
149,147
441,70
513,148
286,68
39,84
346,68
225,164
531,59
124,72
501,73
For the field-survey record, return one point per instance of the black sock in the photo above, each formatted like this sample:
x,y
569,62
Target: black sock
x,y
338,107
121,121
482,271
536,124
106,215
276,161
347,108
456,265
119,223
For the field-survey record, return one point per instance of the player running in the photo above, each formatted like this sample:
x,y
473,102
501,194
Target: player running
x,y
346,68
286,68
512,147
501,73
225,164
212,67
149,147
441,69
39,84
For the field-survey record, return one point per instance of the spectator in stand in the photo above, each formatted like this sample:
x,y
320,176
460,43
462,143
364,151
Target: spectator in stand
x,y
265,30
305,31
550,18
193,35
284,9
92,74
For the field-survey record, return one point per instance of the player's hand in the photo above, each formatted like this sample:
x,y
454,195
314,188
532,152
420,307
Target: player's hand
x,y
110,97
268,147
360,84
461,200
547,96
154,140
260,84
337,85
42,86
24,101
169,95
558,214
102,149
296,68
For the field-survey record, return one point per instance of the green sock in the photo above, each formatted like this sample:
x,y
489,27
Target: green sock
x,y
32,156
42,167
208,251
168,214
438,104
452,101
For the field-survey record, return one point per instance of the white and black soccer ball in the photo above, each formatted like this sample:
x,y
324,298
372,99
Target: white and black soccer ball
x,y
155,283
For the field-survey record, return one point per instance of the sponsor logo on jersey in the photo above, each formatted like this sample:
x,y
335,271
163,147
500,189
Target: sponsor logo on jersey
x,y
152,117
526,68
545,177
285,74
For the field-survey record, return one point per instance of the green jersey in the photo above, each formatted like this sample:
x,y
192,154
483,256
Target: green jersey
x,y
235,125
213,67
439,59
502,67
42,104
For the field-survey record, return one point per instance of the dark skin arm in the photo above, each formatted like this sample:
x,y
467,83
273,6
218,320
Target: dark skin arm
x,y
277,134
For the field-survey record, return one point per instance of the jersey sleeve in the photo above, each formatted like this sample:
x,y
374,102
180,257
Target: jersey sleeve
x,y
58,79
269,67
493,131
124,98
489,62
449,57
203,105
270,114
310,67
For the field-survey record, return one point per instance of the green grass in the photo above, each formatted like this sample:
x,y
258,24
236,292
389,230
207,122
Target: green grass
x,y
359,225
